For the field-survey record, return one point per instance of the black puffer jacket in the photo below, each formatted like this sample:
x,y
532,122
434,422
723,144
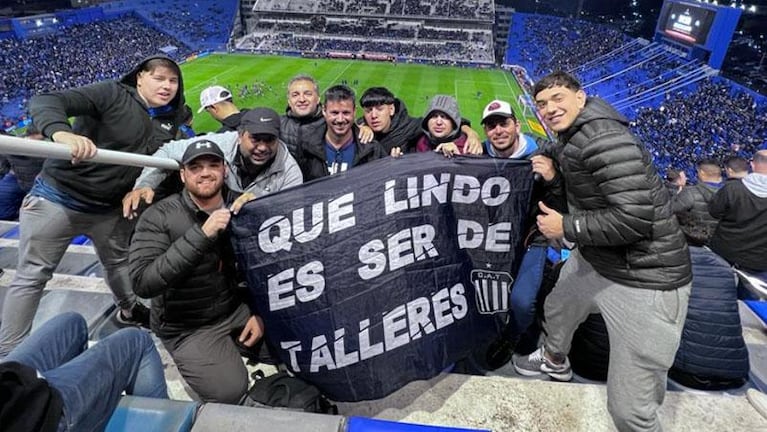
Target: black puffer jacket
x,y
691,208
297,130
114,117
311,155
712,345
190,278
232,122
619,210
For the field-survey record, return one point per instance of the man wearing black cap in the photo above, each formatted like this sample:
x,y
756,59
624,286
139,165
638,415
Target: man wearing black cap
x,y
181,257
257,161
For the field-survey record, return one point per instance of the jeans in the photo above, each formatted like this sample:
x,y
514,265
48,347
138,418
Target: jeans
x,y
91,381
525,289
46,229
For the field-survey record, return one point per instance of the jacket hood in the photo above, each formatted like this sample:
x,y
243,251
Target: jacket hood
x,y
596,109
400,115
527,146
757,184
129,78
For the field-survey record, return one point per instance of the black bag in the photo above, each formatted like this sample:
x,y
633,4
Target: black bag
x,y
284,391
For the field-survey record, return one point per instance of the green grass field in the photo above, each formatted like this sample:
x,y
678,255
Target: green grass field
x,y
414,84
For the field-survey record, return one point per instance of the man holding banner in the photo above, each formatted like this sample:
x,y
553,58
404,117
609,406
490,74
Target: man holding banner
x,y
375,277
181,257
632,263
336,147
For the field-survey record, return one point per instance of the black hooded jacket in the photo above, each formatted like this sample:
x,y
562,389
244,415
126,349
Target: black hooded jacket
x,y
114,117
619,210
295,130
403,132
232,122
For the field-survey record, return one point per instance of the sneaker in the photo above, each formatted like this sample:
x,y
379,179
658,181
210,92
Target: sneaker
x,y
536,364
139,316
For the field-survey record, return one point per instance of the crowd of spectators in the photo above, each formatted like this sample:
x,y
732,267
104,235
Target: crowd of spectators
x,y
678,112
709,120
430,41
203,24
75,56
546,43
455,9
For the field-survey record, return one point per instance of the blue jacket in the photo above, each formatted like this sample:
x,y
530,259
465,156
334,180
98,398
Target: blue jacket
x,y
528,146
712,344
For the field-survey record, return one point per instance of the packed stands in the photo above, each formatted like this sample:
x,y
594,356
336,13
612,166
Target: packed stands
x,y
207,25
75,56
446,32
679,109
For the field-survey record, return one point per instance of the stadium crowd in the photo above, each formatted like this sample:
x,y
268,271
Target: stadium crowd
x,y
633,263
75,56
207,25
458,9
684,128
410,39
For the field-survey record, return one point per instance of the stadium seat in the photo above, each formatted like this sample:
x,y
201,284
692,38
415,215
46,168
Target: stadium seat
x,y
92,306
362,424
676,386
759,308
152,415
215,417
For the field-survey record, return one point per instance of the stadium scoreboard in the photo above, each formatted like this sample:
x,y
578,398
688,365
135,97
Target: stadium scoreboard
x,y
702,30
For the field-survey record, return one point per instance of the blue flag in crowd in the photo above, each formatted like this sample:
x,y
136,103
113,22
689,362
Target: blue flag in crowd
x,y
387,273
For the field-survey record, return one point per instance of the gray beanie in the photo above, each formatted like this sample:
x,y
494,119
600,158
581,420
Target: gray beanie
x,y
446,104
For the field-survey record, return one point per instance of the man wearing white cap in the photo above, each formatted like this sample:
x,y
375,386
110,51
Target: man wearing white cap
x,y
504,139
217,101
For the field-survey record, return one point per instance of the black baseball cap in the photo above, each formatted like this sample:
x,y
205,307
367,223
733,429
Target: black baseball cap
x,y
199,148
261,121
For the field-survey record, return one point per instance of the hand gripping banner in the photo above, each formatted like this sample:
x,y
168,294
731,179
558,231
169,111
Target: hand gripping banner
x,y
386,273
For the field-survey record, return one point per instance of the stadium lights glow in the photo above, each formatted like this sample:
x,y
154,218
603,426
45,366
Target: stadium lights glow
x,y
752,8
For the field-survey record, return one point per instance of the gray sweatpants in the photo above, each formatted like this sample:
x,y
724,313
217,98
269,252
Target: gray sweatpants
x,y
644,328
209,360
46,230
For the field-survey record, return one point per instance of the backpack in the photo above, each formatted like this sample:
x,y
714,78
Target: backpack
x,y
284,391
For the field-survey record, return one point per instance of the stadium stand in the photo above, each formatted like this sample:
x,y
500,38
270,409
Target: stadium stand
x,y
207,25
446,32
75,56
679,109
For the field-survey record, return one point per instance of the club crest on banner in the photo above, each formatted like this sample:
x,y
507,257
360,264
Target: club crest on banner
x,y
492,290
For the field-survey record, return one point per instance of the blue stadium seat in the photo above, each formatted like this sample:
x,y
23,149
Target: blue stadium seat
x,y
215,417
759,308
12,233
152,415
362,424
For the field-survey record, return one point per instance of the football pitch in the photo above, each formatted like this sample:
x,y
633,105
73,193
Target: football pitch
x,y
414,84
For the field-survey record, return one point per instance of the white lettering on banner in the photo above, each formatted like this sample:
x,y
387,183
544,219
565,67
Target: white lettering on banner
x,y
401,326
275,233
401,249
471,235
309,278
465,190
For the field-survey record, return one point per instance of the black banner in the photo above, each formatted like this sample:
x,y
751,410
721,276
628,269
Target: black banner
x,y
387,273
